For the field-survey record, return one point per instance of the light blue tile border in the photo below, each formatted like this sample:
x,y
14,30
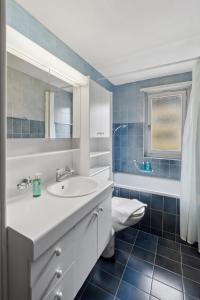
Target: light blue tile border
x,y
18,18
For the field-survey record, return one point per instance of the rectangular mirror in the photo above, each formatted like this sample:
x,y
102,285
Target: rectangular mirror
x,y
39,105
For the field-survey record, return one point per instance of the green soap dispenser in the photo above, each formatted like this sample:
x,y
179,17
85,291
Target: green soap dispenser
x,y
36,185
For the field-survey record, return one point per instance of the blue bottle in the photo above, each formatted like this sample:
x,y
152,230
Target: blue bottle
x,y
148,166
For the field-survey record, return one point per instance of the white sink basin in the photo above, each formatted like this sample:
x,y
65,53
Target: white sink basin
x,y
73,187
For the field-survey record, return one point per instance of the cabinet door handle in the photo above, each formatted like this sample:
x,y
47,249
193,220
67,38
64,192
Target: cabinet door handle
x,y
58,295
95,214
100,209
58,251
59,273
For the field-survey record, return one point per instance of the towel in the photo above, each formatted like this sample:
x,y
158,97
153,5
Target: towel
x,y
123,208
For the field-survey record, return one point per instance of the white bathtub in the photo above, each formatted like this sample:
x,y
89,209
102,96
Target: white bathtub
x,y
147,184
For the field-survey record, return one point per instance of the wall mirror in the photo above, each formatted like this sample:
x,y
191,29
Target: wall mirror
x,y
39,104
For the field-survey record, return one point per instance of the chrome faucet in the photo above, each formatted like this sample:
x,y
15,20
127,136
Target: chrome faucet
x,y
24,184
61,174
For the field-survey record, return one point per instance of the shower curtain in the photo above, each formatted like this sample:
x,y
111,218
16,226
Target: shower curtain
x,y
190,173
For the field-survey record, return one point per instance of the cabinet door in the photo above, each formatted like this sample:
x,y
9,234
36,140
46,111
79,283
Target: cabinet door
x,y
104,224
86,248
100,106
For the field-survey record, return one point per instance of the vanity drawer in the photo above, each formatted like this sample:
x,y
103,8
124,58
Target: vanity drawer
x,y
64,289
49,268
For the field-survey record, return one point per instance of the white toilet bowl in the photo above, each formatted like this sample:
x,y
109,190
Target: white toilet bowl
x,y
118,226
132,220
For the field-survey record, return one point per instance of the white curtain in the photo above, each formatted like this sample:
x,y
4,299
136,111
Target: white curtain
x,y
190,174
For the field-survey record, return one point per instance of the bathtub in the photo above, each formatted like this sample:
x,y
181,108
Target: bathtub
x,y
147,184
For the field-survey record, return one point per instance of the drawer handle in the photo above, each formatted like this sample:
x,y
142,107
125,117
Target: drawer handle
x,y
58,251
59,273
100,209
95,214
58,296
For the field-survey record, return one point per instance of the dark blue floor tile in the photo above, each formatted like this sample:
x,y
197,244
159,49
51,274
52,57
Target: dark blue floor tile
x,y
168,264
114,268
121,256
169,244
169,253
137,279
81,291
191,273
146,241
106,281
169,236
93,292
190,251
140,265
128,235
168,278
143,254
157,232
129,292
165,292
191,288
191,261
188,297
122,245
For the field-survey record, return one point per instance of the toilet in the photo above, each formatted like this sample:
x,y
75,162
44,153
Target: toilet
x,y
134,209
125,213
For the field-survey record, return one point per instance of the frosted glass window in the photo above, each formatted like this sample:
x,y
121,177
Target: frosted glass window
x,y
164,123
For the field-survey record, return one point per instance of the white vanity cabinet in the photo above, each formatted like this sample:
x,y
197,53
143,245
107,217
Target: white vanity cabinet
x,y
100,111
60,270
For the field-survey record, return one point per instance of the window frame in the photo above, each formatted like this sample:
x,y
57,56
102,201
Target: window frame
x,y
149,96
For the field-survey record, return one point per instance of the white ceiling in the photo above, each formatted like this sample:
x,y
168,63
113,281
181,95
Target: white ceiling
x,y
120,38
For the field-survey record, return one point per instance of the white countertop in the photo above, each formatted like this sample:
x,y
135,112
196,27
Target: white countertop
x,y
45,219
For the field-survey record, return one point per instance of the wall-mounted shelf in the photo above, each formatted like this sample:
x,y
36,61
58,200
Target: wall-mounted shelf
x,y
40,154
96,170
99,153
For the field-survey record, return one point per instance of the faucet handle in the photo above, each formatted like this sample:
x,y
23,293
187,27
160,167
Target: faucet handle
x,y
70,170
24,183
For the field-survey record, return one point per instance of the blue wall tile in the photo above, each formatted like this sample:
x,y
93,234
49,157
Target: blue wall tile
x,y
128,98
128,146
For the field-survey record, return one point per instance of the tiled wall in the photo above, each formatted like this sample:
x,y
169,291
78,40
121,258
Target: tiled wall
x,y
23,128
22,21
128,144
162,215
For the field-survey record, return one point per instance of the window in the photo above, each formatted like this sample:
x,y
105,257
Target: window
x,y
165,113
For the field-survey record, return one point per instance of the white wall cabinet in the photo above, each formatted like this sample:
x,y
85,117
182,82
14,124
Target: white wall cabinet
x,y
96,131
59,272
100,111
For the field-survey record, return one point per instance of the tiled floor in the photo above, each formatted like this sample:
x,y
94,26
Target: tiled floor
x,y
146,267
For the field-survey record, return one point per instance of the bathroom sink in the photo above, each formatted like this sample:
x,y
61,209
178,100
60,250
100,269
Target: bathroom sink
x,y
73,187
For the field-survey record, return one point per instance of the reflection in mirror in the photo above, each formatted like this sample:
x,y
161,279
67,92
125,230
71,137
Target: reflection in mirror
x,y
38,104
59,112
